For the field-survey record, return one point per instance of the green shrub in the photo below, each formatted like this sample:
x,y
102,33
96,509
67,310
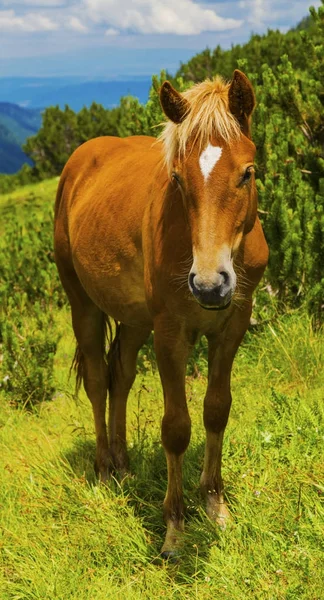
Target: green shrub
x,y
29,291
27,263
29,346
290,182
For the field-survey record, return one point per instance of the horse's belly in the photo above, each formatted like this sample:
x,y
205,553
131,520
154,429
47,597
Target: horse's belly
x,y
116,288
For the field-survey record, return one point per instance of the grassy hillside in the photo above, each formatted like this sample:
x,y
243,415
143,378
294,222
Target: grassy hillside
x,y
16,125
63,536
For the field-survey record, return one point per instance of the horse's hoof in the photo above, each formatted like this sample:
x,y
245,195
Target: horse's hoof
x,y
102,473
170,555
222,521
123,474
217,510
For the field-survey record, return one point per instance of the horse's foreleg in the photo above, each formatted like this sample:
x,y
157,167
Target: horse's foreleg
x,y
217,406
172,353
216,411
122,372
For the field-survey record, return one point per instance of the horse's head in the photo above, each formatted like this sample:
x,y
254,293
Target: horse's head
x,y
210,158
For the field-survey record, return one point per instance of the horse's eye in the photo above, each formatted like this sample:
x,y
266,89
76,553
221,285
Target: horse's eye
x,y
247,175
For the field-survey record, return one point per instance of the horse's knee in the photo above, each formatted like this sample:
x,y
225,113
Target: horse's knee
x,y
176,430
216,413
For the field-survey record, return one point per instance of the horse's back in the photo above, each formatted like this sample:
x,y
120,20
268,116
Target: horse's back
x,y
109,161
102,196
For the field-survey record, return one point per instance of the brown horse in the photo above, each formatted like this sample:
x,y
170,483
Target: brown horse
x,y
164,235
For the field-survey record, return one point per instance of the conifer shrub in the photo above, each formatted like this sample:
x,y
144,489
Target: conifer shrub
x,y
288,132
30,290
27,264
29,344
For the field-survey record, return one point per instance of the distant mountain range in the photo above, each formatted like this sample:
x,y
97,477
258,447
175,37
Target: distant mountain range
x,y
23,98
16,125
40,92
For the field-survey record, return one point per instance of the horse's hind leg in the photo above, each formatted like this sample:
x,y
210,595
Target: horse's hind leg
x,y
89,328
122,372
217,405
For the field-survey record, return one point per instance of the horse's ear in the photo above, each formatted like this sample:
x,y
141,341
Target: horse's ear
x,y
241,99
174,105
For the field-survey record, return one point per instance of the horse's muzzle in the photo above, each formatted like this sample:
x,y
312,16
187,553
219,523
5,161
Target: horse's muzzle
x,y
212,296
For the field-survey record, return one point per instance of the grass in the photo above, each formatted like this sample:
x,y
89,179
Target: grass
x,y
63,536
44,189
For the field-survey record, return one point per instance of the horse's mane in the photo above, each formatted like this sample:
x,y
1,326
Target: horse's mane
x,y
208,115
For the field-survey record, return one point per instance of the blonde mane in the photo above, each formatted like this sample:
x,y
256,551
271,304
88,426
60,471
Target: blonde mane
x,y
208,116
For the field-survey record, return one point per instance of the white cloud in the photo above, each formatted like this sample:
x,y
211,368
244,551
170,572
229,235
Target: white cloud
x,y
38,3
75,24
180,17
9,21
257,10
111,31
269,13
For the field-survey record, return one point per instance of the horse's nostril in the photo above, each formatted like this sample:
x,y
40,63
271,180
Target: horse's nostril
x,y
225,276
191,280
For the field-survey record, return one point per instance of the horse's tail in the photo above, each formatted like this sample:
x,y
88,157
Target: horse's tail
x,y
110,333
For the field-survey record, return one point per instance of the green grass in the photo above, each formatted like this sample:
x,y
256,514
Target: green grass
x,y
44,190
63,536
37,197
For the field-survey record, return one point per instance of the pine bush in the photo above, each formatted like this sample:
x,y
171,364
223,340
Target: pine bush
x,y
30,290
28,349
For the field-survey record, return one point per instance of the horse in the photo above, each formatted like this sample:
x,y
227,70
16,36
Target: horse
x,y
163,234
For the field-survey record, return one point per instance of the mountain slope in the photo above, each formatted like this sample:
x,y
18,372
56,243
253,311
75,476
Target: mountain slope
x,y
16,125
17,122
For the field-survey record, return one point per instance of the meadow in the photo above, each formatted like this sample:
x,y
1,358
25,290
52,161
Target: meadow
x,y
63,536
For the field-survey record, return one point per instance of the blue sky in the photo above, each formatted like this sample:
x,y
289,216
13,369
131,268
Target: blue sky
x,y
122,38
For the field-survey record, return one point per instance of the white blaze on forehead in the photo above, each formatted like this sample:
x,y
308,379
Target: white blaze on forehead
x,y
208,159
